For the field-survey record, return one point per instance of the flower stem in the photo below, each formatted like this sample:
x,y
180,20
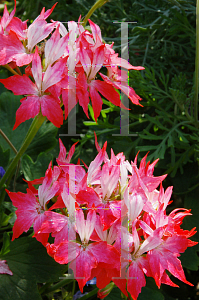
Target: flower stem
x,y
93,292
196,64
10,69
97,4
36,124
18,70
73,290
55,287
8,141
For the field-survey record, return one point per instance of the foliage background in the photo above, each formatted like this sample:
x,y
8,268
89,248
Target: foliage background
x,y
163,41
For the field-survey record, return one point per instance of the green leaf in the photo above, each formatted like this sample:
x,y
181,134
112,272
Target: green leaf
x,y
106,111
44,139
6,244
12,209
191,202
146,148
4,157
170,141
160,151
91,112
33,170
157,122
90,123
5,219
182,137
149,136
30,263
3,75
190,259
115,294
9,103
148,294
18,288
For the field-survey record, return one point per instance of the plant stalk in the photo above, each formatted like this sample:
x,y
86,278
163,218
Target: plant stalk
x,y
93,292
10,69
97,4
8,141
36,124
55,286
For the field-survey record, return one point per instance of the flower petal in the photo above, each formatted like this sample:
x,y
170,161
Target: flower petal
x,y
20,85
52,110
29,108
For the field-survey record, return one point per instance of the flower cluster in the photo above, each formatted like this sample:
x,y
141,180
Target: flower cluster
x,y
108,222
61,71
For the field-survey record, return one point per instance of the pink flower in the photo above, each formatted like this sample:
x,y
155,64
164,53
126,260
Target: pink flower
x,y
112,226
11,47
85,256
6,19
31,208
92,63
55,47
37,97
119,80
164,257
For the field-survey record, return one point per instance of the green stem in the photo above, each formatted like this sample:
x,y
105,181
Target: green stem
x,y
6,228
8,141
93,292
18,70
16,173
10,69
15,150
196,64
97,4
182,109
44,288
73,290
3,193
36,124
55,286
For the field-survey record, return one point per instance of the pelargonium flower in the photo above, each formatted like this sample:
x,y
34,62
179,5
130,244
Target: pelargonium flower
x,y
84,257
109,222
13,31
149,246
31,208
79,54
37,97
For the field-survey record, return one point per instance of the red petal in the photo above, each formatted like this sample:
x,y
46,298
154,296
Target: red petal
x,y
108,92
137,281
26,212
28,109
20,85
52,110
96,101
82,266
67,252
